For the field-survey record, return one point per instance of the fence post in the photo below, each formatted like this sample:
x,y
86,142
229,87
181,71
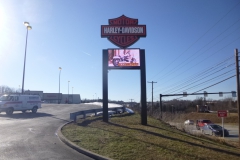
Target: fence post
x,y
75,118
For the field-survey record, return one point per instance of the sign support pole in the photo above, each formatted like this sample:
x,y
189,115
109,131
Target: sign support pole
x,y
223,126
222,114
143,88
105,85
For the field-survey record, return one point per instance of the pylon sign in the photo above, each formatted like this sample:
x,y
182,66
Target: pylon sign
x,y
123,31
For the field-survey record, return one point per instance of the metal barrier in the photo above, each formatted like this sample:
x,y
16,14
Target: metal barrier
x,y
73,116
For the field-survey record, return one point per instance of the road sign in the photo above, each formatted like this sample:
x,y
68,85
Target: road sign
x,y
222,113
220,94
184,94
234,94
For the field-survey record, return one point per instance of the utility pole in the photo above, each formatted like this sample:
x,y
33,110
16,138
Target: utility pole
x,y
152,95
238,91
131,101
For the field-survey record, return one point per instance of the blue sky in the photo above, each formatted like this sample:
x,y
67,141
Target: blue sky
x,y
184,39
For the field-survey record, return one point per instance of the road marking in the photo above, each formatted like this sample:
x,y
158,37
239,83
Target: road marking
x,y
31,130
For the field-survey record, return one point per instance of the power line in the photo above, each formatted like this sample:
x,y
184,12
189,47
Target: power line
x,y
207,80
209,69
194,77
218,50
214,67
217,65
209,30
210,74
201,36
211,54
211,85
216,83
184,63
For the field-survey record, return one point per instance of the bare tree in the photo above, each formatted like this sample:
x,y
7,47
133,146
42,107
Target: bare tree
x,y
7,90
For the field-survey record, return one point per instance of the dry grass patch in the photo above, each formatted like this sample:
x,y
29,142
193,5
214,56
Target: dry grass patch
x,y
125,138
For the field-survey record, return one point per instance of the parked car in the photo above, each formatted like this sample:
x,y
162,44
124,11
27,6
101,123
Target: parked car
x,y
110,113
189,122
215,130
128,110
202,122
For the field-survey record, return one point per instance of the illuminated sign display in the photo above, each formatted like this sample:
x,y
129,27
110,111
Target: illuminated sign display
x,y
122,58
123,31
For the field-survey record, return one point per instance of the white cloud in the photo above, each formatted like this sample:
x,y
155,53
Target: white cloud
x,y
86,53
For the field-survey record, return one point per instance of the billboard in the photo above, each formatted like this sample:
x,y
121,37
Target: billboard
x,y
123,58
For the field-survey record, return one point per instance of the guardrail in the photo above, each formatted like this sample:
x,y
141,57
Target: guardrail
x,y
73,116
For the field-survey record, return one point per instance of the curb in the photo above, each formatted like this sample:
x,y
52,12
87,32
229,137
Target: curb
x,y
76,147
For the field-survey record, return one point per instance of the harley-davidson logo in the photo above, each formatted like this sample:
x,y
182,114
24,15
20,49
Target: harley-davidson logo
x,y
123,31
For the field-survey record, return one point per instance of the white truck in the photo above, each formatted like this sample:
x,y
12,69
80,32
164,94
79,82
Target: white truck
x,y
15,102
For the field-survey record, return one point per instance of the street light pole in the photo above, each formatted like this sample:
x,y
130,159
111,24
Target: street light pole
x,y
59,83
68,92
28,27
72,95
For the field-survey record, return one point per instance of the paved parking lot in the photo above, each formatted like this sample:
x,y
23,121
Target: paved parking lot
x,y
33,136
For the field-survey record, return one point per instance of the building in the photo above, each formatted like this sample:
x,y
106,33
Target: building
x,y
56,97
71,98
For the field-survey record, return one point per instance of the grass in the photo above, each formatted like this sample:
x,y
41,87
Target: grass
x,y
125,138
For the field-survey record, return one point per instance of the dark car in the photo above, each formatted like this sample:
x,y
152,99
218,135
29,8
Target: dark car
x,y
215,130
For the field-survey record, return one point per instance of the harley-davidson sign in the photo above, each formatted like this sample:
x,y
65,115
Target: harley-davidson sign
x,y
123,31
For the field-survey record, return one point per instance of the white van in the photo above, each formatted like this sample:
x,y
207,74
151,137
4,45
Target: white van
x,y
15,102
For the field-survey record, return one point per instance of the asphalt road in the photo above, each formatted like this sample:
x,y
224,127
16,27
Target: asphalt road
x,y
33,136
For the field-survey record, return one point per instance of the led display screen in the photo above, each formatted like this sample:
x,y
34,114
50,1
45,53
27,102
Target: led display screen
x,y
123,58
